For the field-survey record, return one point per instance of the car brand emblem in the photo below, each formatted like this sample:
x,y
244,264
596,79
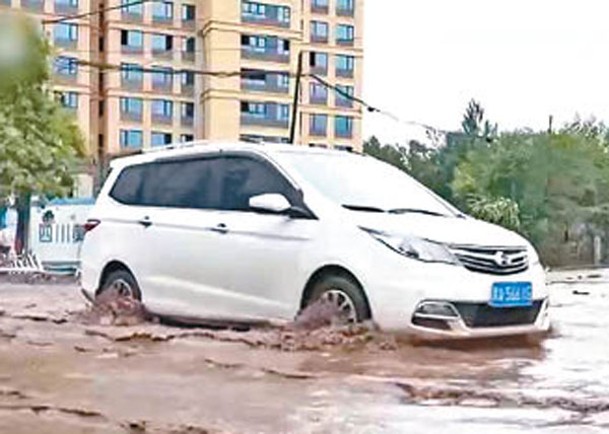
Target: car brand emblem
x,y
502,259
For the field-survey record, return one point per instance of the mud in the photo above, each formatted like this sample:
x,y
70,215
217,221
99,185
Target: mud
x,y
66,366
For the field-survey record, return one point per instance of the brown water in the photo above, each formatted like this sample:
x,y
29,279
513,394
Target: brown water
x,y
59,375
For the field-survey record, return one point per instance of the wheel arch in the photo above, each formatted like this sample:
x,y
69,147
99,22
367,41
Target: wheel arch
x,y
332,269
111,267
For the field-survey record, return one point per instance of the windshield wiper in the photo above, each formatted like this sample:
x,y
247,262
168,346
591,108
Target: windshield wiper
x,y
363,208
415,211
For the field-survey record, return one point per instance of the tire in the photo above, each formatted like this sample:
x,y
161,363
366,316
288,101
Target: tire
x,y
124,282
337,286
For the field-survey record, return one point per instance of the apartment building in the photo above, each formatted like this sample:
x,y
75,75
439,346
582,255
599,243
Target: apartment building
x,y
163,71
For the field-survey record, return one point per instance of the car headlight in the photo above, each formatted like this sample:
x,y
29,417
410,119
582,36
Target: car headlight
x,y
415,248
533,255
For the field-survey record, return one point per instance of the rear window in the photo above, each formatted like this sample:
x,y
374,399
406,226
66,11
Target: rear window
x,y
172,184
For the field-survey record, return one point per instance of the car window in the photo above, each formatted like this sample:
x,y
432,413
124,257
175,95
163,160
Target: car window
x,y
244,178
127,187
181,184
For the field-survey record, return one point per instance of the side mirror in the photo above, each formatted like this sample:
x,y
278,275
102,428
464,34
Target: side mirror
x,y
273,203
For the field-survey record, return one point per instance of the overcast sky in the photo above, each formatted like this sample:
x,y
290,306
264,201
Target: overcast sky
x,y
522,59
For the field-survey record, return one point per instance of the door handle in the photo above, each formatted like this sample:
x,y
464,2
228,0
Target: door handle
x,y
220,229
145,222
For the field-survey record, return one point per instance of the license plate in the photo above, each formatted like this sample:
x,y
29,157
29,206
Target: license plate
x,y
512,294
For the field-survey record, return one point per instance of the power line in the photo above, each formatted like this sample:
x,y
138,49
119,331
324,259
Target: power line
x,y
95,12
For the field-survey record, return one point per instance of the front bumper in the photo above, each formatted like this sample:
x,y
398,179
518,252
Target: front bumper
x,y
394,298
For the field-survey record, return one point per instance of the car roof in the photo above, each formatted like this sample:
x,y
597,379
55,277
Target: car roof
x,y
205,147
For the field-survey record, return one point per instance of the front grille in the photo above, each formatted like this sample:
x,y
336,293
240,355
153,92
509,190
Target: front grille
x,y
484,315
501,261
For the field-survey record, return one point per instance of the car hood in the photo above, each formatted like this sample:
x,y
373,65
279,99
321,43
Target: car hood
x,y
462,231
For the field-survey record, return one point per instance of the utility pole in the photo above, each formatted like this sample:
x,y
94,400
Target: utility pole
x,y
550,122
296,99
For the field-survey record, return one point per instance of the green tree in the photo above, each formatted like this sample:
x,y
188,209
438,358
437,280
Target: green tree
x,y
40,143
394,155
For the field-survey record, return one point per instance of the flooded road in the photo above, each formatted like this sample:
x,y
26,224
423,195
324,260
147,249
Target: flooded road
x,y
58,374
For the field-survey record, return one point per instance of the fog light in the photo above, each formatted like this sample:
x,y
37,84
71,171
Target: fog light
x,y
436,309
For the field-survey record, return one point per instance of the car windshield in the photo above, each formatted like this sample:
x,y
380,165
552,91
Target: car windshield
x,y
366,184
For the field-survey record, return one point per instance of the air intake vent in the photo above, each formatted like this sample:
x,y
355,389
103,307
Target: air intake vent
x,y
492,260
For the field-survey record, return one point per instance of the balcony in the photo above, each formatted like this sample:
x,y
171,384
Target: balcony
x,y
158,118
317,99
270,19
131,84
343,134
131,116
131,17
319,39
345,73
187,90
267,55
165,86
64,78
188,56
65,43
66,7
345,42
319,70
342,11
269,83
318,9
188,24
162,20
132,49
187,121
263,121
343,102
33,5
160,53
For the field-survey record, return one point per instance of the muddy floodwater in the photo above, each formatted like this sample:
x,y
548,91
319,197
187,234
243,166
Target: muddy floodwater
x,y
59,374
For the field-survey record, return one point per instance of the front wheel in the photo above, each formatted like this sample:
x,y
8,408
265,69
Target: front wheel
x,y
121,283
344,294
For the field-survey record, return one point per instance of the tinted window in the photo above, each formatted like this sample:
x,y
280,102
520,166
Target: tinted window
x,y
181,184
128,185
243,178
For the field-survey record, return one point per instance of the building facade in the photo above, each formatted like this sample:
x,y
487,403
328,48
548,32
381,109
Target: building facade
x,y
159,72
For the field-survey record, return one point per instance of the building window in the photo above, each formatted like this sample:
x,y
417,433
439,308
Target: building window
x,y
188,78
189,45
283,112
345,6
319,3
68,100
132,72
318,124
132,106
318,60
318,93
188,110
162,108
283,14
254,43
343,126
65,66
345,33
162,76
131,139
162,42
188,12
65,32
345,63
162,11
319,30
133,39
283,81
344,95
132,9
160,139
185,138
255,109
257,10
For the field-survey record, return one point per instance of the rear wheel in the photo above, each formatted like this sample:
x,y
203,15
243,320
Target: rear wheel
x,y
344,294
122,283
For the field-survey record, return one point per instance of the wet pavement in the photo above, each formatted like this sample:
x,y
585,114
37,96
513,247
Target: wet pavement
x,y
59,374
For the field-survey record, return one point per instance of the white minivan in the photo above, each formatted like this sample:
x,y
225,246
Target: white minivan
x,y
255,233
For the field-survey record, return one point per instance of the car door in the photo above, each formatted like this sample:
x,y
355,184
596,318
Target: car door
x,y
261,253
180,207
